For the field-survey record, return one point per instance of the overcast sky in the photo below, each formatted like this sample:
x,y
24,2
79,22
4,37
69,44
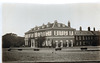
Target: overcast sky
x,y
19,18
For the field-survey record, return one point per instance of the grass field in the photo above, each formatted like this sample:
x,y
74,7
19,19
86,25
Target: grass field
x,y
50,55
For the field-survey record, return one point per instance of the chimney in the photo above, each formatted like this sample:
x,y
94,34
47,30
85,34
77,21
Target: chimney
x,y
55,21
94,29
80,28
68,23
88,28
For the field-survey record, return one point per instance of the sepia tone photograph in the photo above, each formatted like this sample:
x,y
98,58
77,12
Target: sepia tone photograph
x,y
51,33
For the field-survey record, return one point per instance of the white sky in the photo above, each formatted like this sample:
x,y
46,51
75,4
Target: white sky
x,y
20,16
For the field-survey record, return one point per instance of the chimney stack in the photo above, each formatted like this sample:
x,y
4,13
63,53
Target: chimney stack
x,y
94,29
68,23
88,28
80,28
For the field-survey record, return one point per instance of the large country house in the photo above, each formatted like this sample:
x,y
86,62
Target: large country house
x,y
60,35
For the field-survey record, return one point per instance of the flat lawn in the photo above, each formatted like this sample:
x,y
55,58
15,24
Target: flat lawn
x,y
50,55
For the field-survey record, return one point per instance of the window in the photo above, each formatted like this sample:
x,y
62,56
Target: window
x,y
38,28
57,32
26,36
66,33
83,43
43,34
54,32
63,25
76,37
46,33
31,35
79,37
83,37
91,37
58,25
70,32
62,32
36,34
47,25
80,43
88,38
26,41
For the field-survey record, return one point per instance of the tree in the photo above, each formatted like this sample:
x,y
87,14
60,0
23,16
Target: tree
x,y
12,40
40,41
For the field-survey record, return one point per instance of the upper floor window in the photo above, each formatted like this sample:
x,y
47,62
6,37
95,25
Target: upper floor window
x,y
26,36
76,38
89,38
63,25
31,35
70,32
66,32
83,37
58,25
79,37
86,37
38,28
57,32
36,34
61,32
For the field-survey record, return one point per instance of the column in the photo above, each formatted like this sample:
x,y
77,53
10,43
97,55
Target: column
x,y
61,43
71,43
46,43
67,43
56,44
31,43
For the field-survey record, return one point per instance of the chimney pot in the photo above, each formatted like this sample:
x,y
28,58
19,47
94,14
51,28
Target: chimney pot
x,y
80,28
68,23
94,29
88,28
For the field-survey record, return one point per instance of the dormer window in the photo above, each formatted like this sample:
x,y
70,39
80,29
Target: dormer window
x,y
63,25
42,26
38,28
48,25
35,28
58,25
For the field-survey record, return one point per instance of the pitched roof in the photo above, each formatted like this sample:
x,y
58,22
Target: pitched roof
x,y
96,32
50,25
84,33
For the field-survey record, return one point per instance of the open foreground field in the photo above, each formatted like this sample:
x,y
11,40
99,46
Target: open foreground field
x,y
50,55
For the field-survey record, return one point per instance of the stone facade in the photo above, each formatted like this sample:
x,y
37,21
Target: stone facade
x,y
57,35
